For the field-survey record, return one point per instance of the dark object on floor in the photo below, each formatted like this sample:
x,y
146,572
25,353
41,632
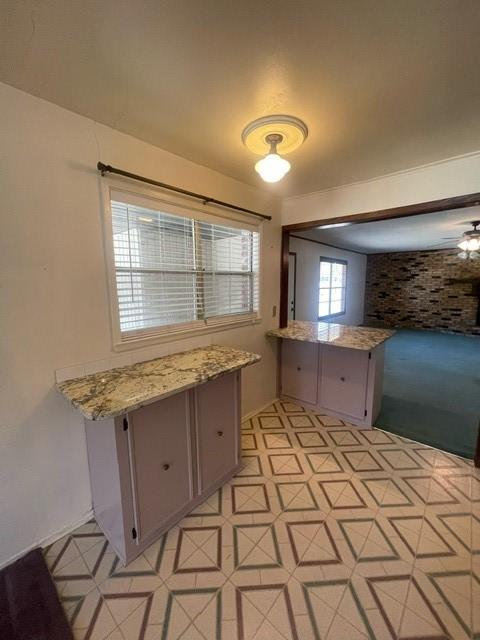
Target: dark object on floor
x,y
431,389
29,604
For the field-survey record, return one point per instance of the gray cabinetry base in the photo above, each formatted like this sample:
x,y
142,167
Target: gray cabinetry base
x,y
150,468
348,382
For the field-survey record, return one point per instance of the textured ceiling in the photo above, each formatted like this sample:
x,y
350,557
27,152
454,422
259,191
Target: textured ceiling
x,y
382,84
440,230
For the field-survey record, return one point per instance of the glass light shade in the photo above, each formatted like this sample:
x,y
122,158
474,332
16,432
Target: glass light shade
x,y
469,255
272,167
469,244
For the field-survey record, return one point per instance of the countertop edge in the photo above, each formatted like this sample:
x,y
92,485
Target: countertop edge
x,y
97,417
272,333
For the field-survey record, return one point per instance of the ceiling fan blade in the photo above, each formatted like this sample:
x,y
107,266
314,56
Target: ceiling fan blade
x,y
439,244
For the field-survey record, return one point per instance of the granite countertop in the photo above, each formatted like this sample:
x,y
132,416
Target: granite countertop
x,y
338,335
112,393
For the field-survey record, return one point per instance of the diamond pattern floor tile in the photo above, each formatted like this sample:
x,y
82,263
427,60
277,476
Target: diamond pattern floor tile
x,y
326,532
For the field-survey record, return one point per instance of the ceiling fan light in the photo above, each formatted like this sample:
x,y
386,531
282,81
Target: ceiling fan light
x,y
272,167
470,241
469,244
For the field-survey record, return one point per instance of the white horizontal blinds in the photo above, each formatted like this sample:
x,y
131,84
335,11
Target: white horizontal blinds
x,y
174,270
155,267
230,270
256,270
332,288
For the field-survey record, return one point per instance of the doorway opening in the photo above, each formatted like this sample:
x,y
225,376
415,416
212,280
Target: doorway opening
x,y
400,269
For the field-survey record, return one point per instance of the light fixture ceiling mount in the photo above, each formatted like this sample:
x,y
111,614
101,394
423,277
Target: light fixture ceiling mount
x,y
273,136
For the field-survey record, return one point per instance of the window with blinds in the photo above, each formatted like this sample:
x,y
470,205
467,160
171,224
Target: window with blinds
x,y
332,288
174,272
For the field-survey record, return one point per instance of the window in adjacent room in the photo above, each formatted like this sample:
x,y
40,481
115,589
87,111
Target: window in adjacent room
x,y
175,270
332,288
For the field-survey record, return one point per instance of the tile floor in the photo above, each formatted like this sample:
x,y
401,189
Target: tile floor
x,y
327,533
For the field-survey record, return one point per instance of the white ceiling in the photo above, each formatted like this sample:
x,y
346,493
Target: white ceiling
x,y
440,230
383,85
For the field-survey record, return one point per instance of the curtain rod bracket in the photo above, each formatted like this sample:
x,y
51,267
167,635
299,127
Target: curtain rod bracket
x,y
107,168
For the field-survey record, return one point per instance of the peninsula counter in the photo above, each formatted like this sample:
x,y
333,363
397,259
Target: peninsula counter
x,y
333,368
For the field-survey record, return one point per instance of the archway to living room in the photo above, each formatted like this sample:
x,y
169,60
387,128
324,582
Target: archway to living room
x,y
401,269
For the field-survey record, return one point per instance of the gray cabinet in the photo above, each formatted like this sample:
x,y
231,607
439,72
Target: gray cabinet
x,y
334,380
344,380
160,450
152,466
299,370
217,414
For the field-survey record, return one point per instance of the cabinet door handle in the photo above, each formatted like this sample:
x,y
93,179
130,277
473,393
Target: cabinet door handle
x,y
342,379
220,433
299,368
166,467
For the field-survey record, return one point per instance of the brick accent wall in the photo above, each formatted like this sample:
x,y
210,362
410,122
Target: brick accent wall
x,y
412,289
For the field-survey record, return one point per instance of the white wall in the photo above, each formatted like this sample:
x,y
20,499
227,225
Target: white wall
x,y
308,266
451,177
54,306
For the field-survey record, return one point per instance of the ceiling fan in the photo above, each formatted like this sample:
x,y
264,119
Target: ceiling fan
x,y
469,243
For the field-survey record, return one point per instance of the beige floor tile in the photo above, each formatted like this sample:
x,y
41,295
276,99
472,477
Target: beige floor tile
x,y
327,532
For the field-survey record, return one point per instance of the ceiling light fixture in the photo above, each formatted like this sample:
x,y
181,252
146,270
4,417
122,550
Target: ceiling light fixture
x,y
271,136
470,243
272,167
333,225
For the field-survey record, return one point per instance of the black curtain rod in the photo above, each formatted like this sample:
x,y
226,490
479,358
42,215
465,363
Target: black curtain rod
x,y
106,168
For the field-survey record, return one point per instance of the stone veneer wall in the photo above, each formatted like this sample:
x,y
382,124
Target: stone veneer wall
x,y
412,289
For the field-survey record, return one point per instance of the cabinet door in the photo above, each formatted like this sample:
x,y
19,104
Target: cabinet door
x,y
160,457
217,411
300,370
344,380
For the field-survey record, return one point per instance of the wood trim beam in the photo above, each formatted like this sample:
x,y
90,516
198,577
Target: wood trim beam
x,y
433,206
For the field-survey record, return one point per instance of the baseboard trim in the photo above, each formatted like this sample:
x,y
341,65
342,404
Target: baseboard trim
x,y
249,415
51,538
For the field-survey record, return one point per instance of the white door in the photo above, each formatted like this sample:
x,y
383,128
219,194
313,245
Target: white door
x,y
292,282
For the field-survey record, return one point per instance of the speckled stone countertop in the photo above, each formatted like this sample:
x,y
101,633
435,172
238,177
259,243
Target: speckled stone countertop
x,y
112,393
339,335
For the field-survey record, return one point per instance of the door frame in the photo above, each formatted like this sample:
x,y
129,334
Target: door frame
x,y
294,253
432,206
476,459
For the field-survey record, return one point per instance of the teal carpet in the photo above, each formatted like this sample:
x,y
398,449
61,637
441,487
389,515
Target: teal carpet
x,y
431,389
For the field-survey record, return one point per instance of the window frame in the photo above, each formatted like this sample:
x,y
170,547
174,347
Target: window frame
x,y
176,205
344,309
